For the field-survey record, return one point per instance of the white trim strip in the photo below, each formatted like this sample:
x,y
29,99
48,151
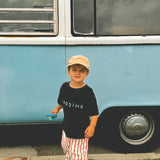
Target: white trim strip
x,y
55,17
135,40
28,33
27,9
55,4
113,40
32,40
26,21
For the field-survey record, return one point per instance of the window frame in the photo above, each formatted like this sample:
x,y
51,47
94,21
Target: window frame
x,y
54,21
75,34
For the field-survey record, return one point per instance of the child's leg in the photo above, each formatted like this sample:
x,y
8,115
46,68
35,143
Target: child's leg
x,y
78,149
74,149
65,143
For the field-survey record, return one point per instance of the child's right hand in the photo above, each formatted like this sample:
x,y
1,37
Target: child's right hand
x,y
55,111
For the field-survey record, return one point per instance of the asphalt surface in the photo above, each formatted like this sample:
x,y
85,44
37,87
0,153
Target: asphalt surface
x,y
139,156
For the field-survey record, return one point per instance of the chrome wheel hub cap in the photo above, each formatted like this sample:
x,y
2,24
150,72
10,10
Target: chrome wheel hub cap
x,y
136,129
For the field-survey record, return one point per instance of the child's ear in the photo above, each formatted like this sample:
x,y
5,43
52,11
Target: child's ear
x,y
68,71
87,73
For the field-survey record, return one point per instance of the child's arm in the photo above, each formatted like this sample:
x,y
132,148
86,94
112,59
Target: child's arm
x,y
56,110
89,132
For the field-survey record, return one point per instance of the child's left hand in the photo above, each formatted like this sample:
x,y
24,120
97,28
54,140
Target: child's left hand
x,y
89,132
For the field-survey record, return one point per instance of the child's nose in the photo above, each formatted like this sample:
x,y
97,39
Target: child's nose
x,y
78,72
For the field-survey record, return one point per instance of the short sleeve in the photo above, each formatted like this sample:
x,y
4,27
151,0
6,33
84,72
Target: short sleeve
x,y
60,97
92,105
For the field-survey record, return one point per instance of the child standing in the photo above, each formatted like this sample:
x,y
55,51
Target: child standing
x,y
79,105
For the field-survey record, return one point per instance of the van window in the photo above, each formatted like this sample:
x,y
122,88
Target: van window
x,y
116,17
28,17
83,17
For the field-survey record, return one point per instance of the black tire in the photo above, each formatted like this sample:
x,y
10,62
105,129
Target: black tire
x,y
127,140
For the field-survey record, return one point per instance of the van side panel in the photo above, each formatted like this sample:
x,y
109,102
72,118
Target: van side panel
x,y
126,75
30,78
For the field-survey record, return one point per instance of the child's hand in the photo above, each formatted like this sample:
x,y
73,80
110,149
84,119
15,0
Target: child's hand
x,y
89,132
55,111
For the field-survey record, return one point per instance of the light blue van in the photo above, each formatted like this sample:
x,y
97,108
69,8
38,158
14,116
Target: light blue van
x,y
120,38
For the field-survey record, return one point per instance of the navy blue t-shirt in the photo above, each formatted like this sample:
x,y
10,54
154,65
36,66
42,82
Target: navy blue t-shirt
x,y
78,105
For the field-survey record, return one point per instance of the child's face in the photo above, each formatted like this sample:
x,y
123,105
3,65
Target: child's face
x,y
78,73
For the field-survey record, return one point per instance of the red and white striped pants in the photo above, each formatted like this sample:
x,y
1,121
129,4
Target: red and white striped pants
x,y
74,149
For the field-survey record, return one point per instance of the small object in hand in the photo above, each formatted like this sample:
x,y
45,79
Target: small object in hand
x,y
51,116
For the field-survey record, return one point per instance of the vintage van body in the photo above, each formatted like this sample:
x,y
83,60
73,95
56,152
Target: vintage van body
x,y
121,40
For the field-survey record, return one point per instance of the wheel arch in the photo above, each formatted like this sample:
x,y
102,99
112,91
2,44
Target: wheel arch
x,y
109,121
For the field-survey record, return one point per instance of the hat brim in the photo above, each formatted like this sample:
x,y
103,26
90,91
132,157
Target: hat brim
x,y
87,67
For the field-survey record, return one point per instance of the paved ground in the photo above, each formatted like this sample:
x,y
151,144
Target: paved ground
x,y
30,153
140,156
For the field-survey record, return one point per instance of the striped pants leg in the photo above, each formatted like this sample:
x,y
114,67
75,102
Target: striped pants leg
x,y
74,149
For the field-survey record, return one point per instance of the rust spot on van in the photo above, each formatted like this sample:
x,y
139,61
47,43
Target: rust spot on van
x,y
95,37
